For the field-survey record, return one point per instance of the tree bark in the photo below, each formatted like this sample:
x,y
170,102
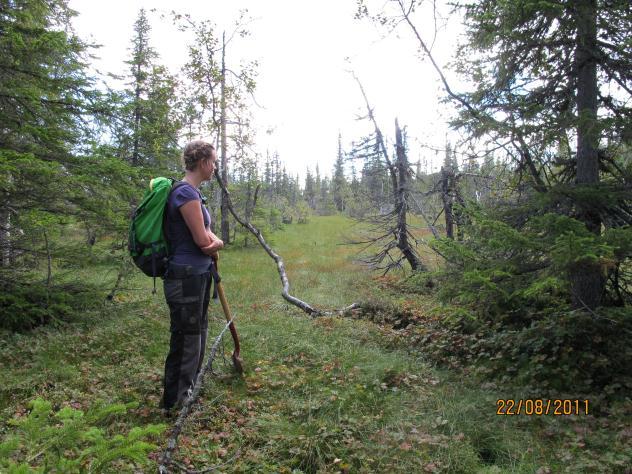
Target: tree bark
x,y
137,114
225,225
402,204
447,202
5,238
587,282
49,260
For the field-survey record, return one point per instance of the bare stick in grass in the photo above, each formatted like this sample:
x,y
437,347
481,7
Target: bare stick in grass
x,y
306,307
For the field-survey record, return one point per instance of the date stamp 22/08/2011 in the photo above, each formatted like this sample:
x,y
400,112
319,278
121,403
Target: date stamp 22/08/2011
x,y
538,407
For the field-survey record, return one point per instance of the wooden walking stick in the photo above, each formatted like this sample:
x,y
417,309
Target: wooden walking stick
x,y
237,360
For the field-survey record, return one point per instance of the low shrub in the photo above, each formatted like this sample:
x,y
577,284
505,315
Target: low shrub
x,y
74,441
569,351
24,305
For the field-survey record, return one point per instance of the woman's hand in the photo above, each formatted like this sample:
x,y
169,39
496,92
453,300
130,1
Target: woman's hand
x,y
213,248
216,244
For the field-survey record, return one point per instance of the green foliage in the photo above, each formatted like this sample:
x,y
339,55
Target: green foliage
x,y
619,239
25,305
303,212
70,440
57,184
499,269
520,57
562,352
510,315
44,86
274,218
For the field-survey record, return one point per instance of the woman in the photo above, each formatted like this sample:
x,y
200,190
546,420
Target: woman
x,y
188,278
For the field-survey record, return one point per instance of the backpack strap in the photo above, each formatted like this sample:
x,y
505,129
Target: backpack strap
x,y
175,184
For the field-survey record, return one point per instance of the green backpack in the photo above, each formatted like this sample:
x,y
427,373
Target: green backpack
x,y
147,243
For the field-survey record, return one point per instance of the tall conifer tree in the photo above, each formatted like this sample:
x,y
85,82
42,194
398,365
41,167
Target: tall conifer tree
x,y
543,67
339,182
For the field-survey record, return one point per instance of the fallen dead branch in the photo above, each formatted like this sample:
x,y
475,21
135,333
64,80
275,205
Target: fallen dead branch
x,y
306,307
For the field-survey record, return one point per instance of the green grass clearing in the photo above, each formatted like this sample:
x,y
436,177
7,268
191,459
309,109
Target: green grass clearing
x,y
324,395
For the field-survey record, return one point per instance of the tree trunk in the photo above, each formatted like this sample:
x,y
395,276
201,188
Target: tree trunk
x,y
459,218
248,212
5,238
447,202
225,228
587,282
49,261
401,203
136,117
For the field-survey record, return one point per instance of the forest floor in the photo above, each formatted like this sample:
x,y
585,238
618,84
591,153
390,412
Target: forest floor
x,y
331,394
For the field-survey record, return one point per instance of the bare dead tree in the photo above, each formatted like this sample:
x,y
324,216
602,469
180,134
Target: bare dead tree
x,y
401,207
447,175
390,230
225,225
251,204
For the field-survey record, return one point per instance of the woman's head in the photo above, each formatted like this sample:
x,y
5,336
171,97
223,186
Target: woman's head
x,y
196,153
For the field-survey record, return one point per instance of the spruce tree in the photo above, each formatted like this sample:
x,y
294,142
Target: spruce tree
x,y
45,97
52,175
339,182
309,192
142,56
551,73
148,135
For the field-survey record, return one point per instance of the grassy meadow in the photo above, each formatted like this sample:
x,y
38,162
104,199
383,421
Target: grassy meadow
x,y
332,394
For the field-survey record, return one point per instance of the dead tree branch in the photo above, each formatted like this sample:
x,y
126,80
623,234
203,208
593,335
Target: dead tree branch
x,y
378,134
306,307
431,226
522,147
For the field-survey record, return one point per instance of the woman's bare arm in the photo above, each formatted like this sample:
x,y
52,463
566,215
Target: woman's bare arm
x,y
192,215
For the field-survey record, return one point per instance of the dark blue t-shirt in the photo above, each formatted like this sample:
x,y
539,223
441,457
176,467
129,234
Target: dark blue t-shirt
x,y
184,250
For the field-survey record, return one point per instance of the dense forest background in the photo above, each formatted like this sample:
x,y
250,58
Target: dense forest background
x,y
530,215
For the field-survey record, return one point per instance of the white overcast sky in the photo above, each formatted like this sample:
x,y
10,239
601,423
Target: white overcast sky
x,y
304,49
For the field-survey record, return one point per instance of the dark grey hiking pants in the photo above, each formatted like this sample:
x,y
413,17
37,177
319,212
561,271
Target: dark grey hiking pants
x,y
188,300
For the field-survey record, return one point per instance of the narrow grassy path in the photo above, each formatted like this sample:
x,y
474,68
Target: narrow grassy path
x,y
325,395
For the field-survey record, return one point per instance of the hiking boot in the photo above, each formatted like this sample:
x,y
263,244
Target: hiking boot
x,y
172,411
